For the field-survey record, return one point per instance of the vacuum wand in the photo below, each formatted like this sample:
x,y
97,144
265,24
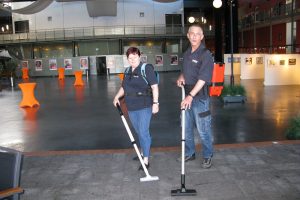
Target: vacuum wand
x,y
182,191
148,177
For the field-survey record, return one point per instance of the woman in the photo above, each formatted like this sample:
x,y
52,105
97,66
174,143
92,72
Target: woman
x,y
141,99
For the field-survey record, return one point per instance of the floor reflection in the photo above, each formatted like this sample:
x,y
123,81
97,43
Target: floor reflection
x,y
30,119
76,118
61,86
79,94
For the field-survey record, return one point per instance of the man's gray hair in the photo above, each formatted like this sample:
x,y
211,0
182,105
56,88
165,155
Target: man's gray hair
x,y
195,25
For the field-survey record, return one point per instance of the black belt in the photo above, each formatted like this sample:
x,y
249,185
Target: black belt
x,y
139,94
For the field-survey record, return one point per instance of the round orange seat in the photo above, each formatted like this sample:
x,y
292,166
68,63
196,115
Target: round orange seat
x,y
28,99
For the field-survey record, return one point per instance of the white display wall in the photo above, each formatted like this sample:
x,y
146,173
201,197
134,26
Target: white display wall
x,y
252,66
236,64
275,69
282,69
116,64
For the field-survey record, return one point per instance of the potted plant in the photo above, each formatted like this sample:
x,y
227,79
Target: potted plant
x,y
293,131
233,94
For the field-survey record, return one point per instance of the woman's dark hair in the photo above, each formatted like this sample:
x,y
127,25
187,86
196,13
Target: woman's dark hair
x,y
133,50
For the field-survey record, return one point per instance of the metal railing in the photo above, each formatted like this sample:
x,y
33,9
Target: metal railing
x,y
278,12
96,32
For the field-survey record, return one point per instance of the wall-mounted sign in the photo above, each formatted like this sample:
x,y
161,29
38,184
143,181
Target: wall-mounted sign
x,y
159,60
38,65
52,64
68,63
174,60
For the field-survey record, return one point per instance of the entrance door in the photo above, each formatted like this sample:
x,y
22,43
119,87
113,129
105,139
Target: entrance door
x,y
101,66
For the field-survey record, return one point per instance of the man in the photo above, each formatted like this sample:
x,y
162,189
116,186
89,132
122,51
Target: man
x,y
197,72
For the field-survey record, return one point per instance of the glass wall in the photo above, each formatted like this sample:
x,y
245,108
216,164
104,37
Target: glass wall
x,y
98,47
152,46
53,50
95,47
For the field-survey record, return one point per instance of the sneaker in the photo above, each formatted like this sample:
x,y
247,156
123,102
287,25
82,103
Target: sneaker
x,y
141,167
206,163
187,158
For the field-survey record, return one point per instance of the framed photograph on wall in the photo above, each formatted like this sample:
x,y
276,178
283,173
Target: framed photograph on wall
x,y
144,59
68,63
271,63
52,64
84,63
159,60
174,60
248,61
259,60
24,63
38,65
292,61
282,62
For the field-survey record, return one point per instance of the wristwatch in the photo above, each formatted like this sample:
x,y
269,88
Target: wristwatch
x,y
191,95
156,103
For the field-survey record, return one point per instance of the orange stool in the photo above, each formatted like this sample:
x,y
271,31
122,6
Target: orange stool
x,y
78,78
25,73
121,76
28,99
61,73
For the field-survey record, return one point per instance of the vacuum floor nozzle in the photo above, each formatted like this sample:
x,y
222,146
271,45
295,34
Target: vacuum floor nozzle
x,y
149,178
183,192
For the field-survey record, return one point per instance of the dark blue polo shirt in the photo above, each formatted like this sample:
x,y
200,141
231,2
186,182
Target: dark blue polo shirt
x,y
198,66
133,83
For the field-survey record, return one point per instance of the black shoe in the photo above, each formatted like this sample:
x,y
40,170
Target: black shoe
x,y
141,167
136,158
187,158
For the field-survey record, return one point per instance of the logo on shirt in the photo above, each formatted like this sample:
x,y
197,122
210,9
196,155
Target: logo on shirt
x,y
194,61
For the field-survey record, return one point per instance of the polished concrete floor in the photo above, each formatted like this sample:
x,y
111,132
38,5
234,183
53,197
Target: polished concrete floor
x,y
83,118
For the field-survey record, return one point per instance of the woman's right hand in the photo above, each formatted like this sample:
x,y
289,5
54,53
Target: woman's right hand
x,y
118,96
116,101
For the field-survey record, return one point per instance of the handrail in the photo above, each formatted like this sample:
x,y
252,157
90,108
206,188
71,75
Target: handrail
x,y
274,14
97,32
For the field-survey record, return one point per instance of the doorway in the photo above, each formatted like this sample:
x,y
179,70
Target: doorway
x,y
101,66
